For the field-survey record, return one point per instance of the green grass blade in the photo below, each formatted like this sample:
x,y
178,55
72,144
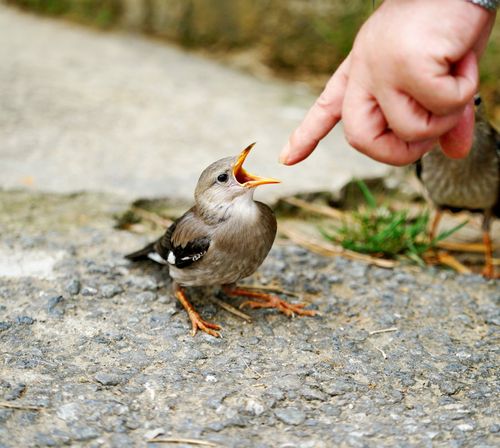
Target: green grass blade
x,y
445,234
369,198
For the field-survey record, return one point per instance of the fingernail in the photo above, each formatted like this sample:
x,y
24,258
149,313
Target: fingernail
x,y
284,154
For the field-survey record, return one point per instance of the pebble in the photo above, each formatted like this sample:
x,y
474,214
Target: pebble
x,y
143,283
84,433
153,433
146,297
52,305
110,290
73,286
15,392
108,379
310,393
25,320
254,407
88,291
5,325
290,416
70,412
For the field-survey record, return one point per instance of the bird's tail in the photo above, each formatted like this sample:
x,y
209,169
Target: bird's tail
x,y
141,254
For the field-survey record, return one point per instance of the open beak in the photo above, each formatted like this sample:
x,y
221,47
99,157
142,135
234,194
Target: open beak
x,y
244,177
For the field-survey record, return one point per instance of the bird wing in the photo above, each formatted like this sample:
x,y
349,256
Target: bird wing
x,y
185,241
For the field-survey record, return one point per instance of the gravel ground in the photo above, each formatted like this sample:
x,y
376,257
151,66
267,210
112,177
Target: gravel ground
x,y
104,353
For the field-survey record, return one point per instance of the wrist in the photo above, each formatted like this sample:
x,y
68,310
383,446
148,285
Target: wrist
x,y
490,5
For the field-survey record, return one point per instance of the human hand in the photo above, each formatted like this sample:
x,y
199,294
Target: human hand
x,y
408,81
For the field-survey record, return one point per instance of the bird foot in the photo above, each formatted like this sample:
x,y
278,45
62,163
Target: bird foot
x,y
489,272
431,257
264,300
198,323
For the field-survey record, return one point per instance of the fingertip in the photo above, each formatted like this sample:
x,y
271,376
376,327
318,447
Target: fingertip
x,y
290,155
284,154
457,142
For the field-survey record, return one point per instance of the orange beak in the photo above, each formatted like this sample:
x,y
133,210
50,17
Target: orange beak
x,y
244,177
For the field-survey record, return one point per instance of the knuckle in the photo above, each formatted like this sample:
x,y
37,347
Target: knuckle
x,y
324,102
356,139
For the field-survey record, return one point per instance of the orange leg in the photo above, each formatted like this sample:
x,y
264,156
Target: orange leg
x,y
488,270
265,300
196,321
435,224
432,257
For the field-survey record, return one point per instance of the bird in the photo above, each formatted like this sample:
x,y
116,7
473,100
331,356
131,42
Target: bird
x,y
222,239
471,183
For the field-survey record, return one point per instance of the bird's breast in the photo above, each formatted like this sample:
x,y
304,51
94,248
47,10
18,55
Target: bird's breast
x,y
238,247
460,183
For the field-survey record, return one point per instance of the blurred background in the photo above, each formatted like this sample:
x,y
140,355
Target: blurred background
x,y
137,96
294,39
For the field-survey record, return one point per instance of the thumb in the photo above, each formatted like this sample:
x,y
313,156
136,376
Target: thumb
x,y
457,142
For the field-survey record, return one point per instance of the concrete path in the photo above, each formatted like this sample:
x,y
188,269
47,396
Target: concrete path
x,y
86,110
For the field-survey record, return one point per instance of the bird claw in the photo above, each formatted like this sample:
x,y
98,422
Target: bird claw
x,y
489,272
199,324
289,309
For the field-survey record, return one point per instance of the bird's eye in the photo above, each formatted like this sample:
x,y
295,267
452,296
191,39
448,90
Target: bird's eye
x,y
477,100
222,177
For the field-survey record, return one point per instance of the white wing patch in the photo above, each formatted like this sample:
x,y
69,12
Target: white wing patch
x,y
171,258
157,257
194,258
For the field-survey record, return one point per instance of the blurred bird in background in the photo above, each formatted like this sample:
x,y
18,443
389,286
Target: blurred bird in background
x,y
472,183
223,238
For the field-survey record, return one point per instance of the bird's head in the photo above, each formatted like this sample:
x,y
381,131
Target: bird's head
x,y
478,107
225,180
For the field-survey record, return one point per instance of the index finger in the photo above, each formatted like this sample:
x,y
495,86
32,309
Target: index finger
x,y
324,114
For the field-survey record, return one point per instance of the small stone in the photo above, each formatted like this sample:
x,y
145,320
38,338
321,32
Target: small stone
x,y
449,387
312,288
70,412
216,426
52,304
290,416
16,392
84,433
44,440
334,279
153,433
108,379
143,283
108,291
275,394
5,325
254,407
310,393
121,440
24,320
211,379
73,286
88,291
146,297
336,388
291,382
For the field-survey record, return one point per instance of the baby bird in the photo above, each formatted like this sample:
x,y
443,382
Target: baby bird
x,y
223,238
472,183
